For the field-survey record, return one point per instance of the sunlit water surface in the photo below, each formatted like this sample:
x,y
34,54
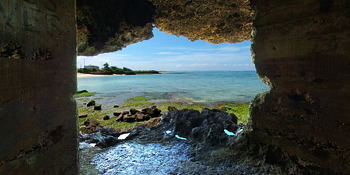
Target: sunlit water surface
x,y
146,159
208,86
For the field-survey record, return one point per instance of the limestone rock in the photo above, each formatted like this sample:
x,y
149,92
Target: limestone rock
x,y
98,107
90,126
216,21
129,118
142,117
103,137
133,111
106,117
91,103
110,25
207,126
152,112
117,114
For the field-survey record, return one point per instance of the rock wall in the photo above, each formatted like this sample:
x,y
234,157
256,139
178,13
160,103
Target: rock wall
x,y
110,25
301,49
215,21
37,71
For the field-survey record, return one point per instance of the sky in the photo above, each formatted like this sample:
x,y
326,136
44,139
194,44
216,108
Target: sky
x,y
166,52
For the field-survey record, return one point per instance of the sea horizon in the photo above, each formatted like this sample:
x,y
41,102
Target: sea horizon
x,y
196,86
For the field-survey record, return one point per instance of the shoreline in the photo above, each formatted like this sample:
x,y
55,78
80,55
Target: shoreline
x,y
81,75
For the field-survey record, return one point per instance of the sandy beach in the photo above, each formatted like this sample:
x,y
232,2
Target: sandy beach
x,y
80,75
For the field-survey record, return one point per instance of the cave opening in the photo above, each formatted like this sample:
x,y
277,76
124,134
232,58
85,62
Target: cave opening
x,y
178,74
300,48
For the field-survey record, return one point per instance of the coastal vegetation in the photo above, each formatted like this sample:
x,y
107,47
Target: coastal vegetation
x,y
83,93
109,70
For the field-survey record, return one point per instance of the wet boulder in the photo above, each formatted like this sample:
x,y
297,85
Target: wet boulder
x,y
108,132
142,117
91,103
90,126
129,118
133,111
106,117
207,126
117,114
103,137
98,107
107,142
152,112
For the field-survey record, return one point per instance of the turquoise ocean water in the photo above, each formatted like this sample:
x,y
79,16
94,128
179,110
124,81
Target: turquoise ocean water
x,y
211,86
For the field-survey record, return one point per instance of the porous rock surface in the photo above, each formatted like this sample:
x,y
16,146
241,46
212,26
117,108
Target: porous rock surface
x,y
214,21
206,126
110,25
301,49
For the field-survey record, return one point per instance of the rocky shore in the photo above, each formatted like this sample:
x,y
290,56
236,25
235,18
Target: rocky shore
x,y
177,143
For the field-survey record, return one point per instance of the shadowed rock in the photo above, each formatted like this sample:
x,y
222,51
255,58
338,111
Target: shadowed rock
x,y
106,117
83,116
110,25
90,126
98,107
91,103
207,126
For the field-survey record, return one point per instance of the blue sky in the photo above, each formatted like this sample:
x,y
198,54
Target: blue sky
x,y
166,52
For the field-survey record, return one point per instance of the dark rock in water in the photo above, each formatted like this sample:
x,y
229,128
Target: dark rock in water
x,y
103,137
106,117
82,91
91,103
172,108
90,126
152,112
129,118
207,126
83,116
117,114
116,106
107,142
98,107
133,111
108,132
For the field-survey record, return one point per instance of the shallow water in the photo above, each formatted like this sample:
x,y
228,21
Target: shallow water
x,y
147,159
197,86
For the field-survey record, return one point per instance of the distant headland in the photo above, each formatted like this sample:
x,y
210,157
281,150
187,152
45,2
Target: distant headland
x,y
113,70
